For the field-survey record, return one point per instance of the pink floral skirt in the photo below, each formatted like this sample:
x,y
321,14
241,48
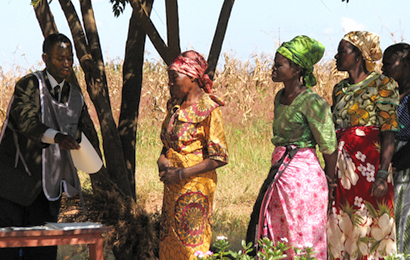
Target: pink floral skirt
x,y
295,206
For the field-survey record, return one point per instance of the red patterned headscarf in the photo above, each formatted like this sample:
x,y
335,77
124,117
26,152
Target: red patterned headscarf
x,y
193,64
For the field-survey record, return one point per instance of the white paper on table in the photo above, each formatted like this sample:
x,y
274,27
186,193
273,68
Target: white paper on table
x,y
86,158
72,226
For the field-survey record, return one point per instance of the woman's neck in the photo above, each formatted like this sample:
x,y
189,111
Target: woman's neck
x,y
357,75
291,91
193,96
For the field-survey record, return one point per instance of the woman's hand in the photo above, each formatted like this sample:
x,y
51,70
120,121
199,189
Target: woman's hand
x,y
379,187
166,171
163,163
170,175
332,185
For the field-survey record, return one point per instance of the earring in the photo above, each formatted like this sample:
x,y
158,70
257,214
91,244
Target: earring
x,y
357,59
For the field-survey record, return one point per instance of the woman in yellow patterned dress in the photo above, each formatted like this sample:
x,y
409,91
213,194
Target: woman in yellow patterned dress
x,y
194,146
361,225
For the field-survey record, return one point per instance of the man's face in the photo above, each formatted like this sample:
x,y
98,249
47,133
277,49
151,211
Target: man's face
x,y
59,61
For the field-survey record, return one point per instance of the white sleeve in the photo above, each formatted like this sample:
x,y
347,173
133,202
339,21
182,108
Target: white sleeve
x,y
48,136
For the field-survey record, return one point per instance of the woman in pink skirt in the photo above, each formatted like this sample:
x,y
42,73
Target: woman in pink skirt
x,y
293,200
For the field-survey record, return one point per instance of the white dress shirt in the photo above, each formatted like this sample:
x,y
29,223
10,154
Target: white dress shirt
x,y
49,134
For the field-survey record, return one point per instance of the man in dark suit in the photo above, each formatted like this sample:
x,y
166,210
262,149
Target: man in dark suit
x,y
43,123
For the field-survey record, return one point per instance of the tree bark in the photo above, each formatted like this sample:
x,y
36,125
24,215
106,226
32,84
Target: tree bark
x,y
151,31
131,91
45,18
219,37
173,28
98,91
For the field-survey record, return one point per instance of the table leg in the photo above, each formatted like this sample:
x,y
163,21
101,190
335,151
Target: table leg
x,y
96,250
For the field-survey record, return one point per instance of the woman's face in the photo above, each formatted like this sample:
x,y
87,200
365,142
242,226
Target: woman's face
x,y
346,56
282,70
179,84
392,66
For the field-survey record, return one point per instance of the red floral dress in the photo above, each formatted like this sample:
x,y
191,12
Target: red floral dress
x,y
362,226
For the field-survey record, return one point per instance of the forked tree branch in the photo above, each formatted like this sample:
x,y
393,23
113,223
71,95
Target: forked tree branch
x,y
151,31
219,36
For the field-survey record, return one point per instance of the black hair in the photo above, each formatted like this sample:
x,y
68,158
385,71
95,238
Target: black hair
x,y
402,50
52,40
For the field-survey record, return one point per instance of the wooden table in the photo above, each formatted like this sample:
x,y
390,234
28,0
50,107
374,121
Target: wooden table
x,y
33,238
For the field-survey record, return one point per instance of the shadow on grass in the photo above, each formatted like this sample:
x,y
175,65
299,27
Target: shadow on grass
x,y
79,252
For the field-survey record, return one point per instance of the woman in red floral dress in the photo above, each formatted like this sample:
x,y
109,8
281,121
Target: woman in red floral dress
x,y
361,225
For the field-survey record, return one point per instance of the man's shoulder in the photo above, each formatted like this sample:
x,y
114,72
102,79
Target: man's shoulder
x,y
28,79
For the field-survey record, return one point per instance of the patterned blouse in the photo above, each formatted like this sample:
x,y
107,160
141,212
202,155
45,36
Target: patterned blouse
x,y
372,102
196,132
307,121
404,120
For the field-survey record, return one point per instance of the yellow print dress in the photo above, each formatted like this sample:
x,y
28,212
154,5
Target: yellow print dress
x,y
189,136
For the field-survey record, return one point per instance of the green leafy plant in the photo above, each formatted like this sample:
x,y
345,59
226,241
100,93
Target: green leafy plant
x,y
304,252
397,256
268,250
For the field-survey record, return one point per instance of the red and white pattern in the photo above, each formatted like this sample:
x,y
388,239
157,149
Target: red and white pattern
x,y
194,65
361,226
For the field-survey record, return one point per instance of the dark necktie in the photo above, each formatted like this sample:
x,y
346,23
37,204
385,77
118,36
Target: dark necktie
x,y
56,91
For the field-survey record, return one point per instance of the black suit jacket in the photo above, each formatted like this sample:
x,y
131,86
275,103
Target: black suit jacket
x,y
25,118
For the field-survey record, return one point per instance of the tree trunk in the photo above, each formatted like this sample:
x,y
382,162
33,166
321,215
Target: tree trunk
x,y
131,91
98,91
45,18
173,28
219,37
151,31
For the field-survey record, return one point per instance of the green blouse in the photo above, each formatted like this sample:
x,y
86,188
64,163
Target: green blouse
x,y
304,123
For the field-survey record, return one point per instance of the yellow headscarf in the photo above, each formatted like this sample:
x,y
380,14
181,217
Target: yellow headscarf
x,y
369,44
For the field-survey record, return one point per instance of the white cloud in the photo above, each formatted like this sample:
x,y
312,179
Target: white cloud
x,y
349,24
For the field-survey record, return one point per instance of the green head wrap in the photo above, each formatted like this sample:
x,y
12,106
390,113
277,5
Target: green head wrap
x,y
305,52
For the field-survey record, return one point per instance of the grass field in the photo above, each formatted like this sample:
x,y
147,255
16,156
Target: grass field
x,y
248,91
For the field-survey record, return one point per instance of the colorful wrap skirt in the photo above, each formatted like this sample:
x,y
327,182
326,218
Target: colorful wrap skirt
x,y
402,206
360,226
294,206
187,211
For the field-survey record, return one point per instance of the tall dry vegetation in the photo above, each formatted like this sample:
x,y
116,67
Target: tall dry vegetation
x,y
248,91
244,85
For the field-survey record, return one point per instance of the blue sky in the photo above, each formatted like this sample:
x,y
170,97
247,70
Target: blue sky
x,y
255,26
